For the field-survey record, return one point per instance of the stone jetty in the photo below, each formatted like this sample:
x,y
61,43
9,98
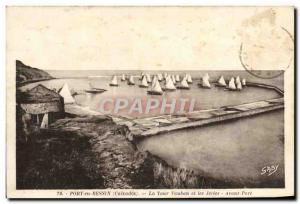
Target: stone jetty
x,y
144,127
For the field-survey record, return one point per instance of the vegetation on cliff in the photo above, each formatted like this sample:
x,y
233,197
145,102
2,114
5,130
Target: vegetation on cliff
x,y
78,153
93,153
27,74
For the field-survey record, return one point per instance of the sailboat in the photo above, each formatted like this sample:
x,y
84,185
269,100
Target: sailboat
x,y
221,82
231,85
244,82
206,76
205,82
142,75
66,94
189,79
237,79
183,84
144,83
94,90
155,89
169,84
177,78
173,79
239,85
131,81
148,77
114,81
123,77
165,75
159,77
154,80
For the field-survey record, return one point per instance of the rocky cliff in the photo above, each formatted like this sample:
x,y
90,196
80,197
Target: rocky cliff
x,y
27,74
92,153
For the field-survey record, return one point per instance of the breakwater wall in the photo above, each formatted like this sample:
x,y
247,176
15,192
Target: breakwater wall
x,y
139,128
266,86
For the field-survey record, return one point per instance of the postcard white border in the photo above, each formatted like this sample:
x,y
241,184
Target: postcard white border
x,y
10,139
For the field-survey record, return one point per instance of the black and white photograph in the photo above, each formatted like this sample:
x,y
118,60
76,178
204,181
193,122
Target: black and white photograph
x,y
150,102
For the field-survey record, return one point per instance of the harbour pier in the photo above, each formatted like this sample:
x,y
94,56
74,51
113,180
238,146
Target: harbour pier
x,y
266,86
145,127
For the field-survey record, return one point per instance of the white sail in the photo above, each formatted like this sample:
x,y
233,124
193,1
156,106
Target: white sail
x,y
148,77
177,78
205,82
184,83
154,81
159,77
170,84
189,78
173,79
144,82
114,81
131,80
221,81
123,77
165,75
231,84
238,85
142,75
45,121
244,82
156,87
66,94
237,79
206,76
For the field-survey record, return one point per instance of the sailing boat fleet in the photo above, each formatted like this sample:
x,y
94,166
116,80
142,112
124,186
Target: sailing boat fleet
x,y
235,84
160,82
157,85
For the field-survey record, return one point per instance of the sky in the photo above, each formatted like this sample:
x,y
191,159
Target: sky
x,y
153,38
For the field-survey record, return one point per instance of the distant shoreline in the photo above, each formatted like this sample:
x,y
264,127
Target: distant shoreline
x,y
23,83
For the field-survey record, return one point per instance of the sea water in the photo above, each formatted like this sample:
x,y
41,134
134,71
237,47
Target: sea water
x,y
237,150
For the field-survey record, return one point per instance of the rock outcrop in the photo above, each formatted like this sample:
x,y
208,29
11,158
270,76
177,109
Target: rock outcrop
x,y
27,74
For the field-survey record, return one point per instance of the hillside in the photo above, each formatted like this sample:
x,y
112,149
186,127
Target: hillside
x,y
26,74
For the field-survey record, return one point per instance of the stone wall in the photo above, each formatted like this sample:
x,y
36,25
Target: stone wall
x,y
41,108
